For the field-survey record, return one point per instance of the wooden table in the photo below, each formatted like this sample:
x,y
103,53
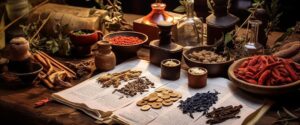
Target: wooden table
x,y
17,106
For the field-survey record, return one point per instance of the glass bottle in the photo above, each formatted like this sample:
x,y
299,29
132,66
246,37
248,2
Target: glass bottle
x,y
253,47
157,15
190,28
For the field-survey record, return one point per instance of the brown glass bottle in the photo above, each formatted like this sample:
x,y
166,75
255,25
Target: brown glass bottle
x,y
220,21
164,48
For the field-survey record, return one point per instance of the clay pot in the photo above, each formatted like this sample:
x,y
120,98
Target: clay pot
x,y
83,42
105,59
197,80
170,72
89,38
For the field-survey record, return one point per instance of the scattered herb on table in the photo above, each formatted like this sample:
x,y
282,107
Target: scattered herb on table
x,y
200,102
222,114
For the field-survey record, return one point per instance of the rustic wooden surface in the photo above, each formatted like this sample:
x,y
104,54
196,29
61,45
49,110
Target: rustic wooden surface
x,y
17,106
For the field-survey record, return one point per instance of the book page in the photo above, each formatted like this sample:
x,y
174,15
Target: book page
x,y
91,94
173,115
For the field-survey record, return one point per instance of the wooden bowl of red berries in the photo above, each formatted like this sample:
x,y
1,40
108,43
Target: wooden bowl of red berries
x,y
265,75
126,42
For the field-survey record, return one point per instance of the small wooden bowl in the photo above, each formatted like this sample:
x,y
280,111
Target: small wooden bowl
x,y
170,72
126,49
260,89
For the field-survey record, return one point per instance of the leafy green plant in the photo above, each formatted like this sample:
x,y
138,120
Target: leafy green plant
x,y
61,44
58,44
114,20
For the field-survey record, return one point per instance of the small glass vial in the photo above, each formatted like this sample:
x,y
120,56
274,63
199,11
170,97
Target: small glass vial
x,y
253,47
189,28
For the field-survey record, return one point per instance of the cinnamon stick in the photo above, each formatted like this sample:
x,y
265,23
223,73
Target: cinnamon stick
x,y
46,81
57,64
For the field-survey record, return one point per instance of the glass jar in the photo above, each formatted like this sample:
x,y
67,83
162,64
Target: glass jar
x,y
253,47
189,28
157,15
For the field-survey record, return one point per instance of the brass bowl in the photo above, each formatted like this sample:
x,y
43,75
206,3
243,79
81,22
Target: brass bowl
x,y
213,69
260,89
126,49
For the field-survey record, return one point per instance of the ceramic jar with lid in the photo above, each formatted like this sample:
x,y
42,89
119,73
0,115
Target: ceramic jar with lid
x,y
18,49
105,58
19,55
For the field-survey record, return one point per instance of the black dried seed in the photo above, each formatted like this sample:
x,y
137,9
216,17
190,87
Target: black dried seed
x,y
222,114
200,102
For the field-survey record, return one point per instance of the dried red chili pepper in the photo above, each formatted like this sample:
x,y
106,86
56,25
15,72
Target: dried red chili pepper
x,y
251,81
253,61
263,77
268,70
265,68
290,71
41,102
244,64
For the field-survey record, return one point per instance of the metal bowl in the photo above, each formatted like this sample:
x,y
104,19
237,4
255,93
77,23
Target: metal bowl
x,y
213,69
260,89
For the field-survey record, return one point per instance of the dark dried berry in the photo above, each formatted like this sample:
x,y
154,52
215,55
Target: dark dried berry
x,y
200,102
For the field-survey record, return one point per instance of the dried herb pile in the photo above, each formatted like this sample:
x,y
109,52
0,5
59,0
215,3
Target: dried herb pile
x,y
200,102
138,85
106,80
222,114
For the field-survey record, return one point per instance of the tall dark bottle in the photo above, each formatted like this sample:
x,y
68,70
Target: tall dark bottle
x,y
164,48
220,21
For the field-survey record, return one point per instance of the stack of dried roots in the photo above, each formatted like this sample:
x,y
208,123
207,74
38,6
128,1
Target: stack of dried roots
x,y
54,75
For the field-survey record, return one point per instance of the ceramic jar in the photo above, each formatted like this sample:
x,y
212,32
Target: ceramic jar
x,y
170,69
83,40
105,59
197,77
19,55
18,49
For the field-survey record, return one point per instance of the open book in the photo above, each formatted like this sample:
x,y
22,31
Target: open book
x,y
101,103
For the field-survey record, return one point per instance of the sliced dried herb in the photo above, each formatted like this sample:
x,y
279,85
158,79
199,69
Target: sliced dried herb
x,y
200,102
